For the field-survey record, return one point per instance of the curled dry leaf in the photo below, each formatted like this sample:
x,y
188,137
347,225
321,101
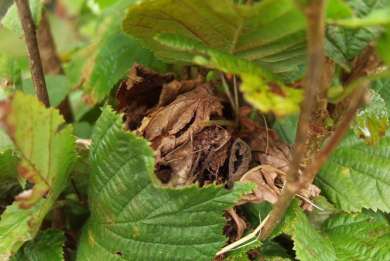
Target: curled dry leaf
x,y
239,160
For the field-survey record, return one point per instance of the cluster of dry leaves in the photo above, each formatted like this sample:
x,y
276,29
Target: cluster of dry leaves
x,y
185,121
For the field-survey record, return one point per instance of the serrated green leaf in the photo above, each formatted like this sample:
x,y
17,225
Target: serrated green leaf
x,y
343,44
309,244
372,122
382,87
132,218
11,18
48,245
47,152
270,33
360,237
357,175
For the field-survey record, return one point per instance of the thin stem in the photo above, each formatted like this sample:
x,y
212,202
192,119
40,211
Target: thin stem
x,y
356,101
33,50
50,60
314,12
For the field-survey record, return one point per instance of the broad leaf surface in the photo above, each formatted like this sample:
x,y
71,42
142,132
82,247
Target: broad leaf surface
x,y
48,245
11,18
46,148
360,237
134,219
343,44
357,175
309,243
270,33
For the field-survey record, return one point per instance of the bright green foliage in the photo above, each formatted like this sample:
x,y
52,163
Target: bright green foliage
x,y
48,245
360,237
134,219
357,175
11,18
343,44
309,243
372,122
383,45
282,102
338,9
8,163
46,148
270,33
375,18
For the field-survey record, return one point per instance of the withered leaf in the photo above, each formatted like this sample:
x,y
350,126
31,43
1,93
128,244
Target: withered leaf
x,y
239,160
139,93
177,123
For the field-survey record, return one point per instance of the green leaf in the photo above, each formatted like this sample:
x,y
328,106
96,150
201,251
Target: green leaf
x,y
375,18
338,9
360,237
382,87
46,148
111,58
48,245
343,44
282,101
286,127
11,19
383,45
132,218
357,175
270,33
309,244
58,88
372,121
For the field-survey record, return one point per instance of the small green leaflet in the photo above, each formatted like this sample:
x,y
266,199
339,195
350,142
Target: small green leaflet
x,y
47,155
133,218
48,245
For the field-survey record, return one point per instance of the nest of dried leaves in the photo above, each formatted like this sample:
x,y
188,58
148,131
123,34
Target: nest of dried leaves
x,y
196,139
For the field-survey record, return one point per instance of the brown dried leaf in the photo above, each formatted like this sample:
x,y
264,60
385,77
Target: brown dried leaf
x,y
177,123
239,160
139,93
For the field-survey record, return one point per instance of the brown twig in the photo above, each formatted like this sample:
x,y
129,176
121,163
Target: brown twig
x,y
33,50
356,100
50,60
314,12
